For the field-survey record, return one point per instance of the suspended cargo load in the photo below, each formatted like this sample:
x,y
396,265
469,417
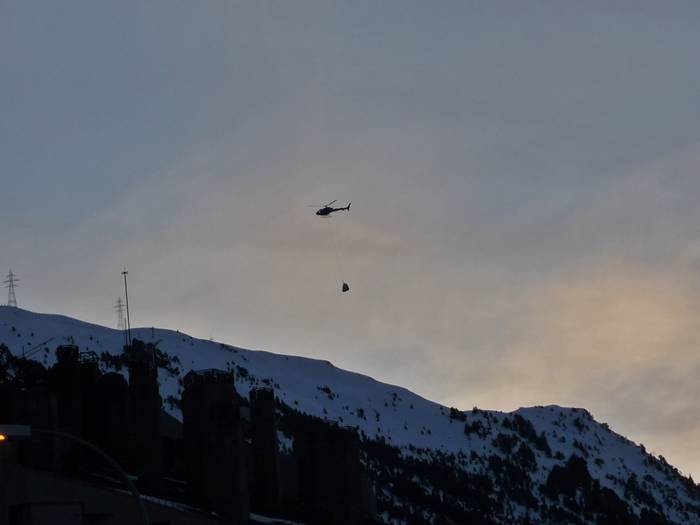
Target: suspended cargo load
x,y
326,211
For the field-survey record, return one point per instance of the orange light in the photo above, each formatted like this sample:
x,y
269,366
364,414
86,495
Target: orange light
x,y
2,437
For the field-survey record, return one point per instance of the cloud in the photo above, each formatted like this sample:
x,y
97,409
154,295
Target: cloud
x,y
613,327
524,188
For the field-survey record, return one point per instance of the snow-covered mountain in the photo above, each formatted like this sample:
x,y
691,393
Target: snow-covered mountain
x,y
429,463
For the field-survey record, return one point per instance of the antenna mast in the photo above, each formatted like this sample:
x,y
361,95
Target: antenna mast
x,y
10,284
128,320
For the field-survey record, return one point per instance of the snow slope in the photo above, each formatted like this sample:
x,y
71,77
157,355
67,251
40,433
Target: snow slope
x,y
416,425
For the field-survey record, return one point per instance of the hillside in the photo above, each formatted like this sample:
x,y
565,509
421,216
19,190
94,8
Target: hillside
x,y
429,463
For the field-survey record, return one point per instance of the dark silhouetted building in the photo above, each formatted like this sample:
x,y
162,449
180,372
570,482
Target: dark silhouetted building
x,y
333,486
65,382
89,377
112,420
213,444
265,490
144,410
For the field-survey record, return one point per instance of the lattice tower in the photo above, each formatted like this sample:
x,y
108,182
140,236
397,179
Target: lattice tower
x,y
11,283
120,307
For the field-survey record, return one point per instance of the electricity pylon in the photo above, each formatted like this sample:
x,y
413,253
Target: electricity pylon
x,y
10,283
119,308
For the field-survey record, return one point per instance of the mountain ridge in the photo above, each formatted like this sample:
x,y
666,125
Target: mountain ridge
x,y
531,450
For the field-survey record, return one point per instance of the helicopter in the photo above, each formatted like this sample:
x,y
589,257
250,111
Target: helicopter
x,y
327,209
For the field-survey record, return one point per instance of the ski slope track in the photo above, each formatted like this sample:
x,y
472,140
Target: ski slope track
x,y
418,427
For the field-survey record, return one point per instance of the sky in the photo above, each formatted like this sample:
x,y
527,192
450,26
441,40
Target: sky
x,y
524,179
